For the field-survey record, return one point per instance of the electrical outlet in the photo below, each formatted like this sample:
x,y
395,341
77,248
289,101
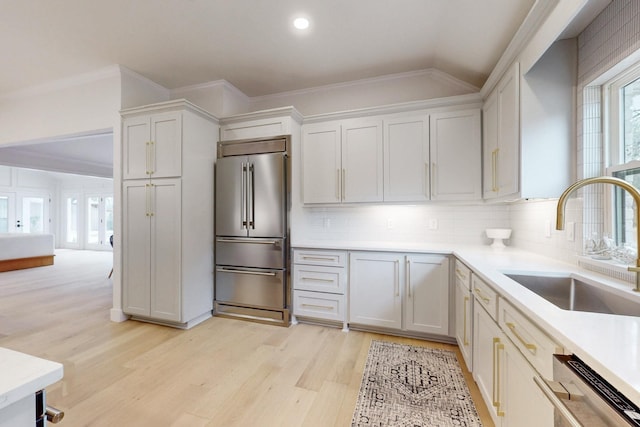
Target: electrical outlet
x,y
327,223
571,231
433,224
390,223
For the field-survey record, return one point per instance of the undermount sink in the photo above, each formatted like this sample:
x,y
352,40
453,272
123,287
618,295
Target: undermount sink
x,y
570,293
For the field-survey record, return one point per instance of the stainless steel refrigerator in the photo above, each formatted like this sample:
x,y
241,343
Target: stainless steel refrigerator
x,y
252,230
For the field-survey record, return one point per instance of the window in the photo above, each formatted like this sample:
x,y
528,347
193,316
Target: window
x,y
623,126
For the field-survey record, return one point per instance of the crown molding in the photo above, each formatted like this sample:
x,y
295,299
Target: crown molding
x,y
432,72
466,101
289,111
210,85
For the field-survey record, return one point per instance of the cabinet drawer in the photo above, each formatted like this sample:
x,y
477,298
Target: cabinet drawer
x,y
534,344
319,305
485,296
313,257
319,278
463,274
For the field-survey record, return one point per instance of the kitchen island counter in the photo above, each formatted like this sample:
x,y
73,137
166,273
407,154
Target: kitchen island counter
x,y
21,376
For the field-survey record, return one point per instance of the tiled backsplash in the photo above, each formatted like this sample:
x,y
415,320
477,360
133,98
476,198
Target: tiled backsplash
x,y
532,222
458,224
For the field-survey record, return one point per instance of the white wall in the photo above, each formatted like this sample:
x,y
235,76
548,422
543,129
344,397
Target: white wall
x,y
80,105
220,98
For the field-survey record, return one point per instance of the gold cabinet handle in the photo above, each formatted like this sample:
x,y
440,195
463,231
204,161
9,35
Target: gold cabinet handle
x,y
147,201
465,341
319,258
409,278
397,278
528,346
324,307
497,347
152,165
147,157
434,182
316,279
461,274
482,297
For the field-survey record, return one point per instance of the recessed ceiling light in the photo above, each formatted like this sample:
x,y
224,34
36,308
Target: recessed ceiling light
x,y
301,23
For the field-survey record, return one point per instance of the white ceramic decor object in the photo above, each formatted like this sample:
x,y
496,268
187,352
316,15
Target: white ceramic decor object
x,y
498,235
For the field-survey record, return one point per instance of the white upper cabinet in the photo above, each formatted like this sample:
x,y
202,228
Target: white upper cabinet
x,y
413,156
501,120
321,163
406,159
529,128
455,155
342,161
362,164
152,146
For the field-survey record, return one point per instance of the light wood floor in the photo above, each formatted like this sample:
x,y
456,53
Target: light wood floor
x,y
223,372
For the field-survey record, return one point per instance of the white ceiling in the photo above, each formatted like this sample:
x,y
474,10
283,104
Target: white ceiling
x,y
250,43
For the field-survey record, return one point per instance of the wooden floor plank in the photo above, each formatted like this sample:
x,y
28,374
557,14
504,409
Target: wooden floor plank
x,y
223,372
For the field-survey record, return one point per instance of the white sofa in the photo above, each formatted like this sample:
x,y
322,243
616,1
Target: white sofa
x,y
18,251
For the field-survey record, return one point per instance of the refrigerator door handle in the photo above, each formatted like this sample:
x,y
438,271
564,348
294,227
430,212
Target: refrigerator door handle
x,y
252,197
253,273
243,200
252,241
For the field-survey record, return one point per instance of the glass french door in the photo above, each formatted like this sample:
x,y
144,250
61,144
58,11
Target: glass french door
x,y
7,212
71,215
32,213
99,221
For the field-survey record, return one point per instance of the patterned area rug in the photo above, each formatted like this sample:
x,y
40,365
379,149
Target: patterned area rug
x,y
404,385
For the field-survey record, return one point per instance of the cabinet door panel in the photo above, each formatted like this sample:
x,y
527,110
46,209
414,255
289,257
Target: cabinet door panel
x,y
321,165
508,168
486,339
464,318
362,165
427,294
136,135
523,403
490,146
375,286
406,159
136,260
166,148
456,155
166,250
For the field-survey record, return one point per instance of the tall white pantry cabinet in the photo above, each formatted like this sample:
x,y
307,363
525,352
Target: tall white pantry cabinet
x,y
168,156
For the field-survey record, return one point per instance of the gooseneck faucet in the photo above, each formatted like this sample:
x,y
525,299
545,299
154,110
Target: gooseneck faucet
x,y
562,202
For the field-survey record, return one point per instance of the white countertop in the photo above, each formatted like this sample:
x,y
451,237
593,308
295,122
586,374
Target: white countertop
x,y
21,375
610,344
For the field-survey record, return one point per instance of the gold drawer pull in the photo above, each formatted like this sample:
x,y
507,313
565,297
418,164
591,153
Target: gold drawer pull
x,y
529,346
317,279
482,297
325,307
319,258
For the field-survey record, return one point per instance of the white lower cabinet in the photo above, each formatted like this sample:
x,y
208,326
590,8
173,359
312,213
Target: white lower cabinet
x,y
464,312
319,285
152,248
398,291
505,378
